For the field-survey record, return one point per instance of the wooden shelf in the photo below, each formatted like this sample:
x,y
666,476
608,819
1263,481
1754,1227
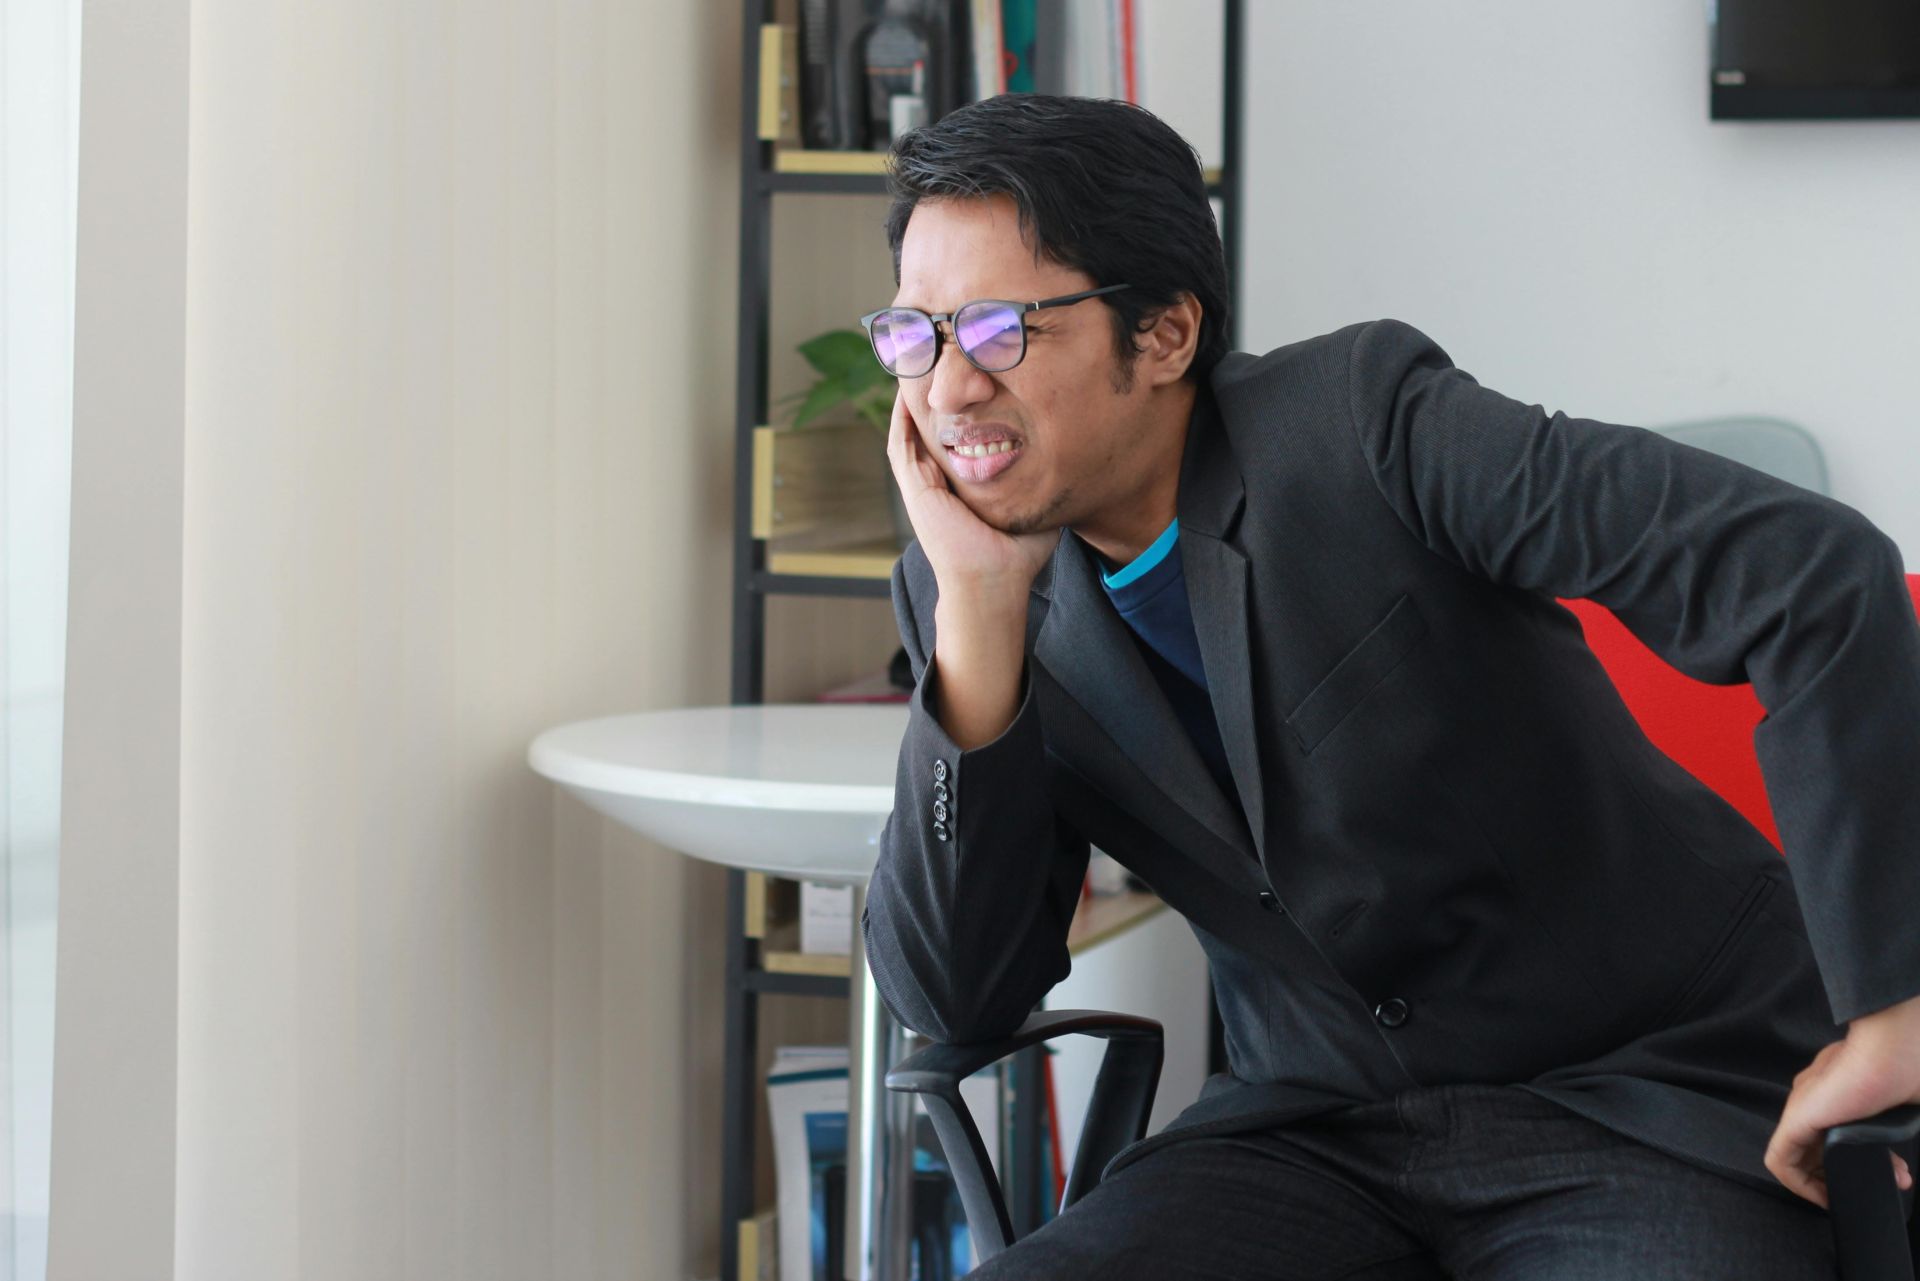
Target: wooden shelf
x,y
820,501
780,954
787,160
873,559
790,160
1106,916
759,1244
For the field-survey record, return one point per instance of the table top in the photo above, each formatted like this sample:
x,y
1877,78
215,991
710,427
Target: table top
x,y
837,757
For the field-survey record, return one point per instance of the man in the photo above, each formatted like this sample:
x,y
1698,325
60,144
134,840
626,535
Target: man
x,y
1506,992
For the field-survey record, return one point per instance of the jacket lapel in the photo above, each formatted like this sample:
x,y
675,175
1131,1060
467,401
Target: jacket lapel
x,y
1219,593
1217,589
1085,646
1090,652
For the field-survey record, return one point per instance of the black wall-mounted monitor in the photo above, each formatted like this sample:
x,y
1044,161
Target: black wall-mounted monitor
x,y
1814,59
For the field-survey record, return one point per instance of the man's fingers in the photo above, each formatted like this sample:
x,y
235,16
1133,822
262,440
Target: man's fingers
x,y
900,453
1798,1168
1803,1174
896,435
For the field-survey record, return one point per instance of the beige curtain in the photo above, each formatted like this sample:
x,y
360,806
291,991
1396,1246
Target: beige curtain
x,y
403,430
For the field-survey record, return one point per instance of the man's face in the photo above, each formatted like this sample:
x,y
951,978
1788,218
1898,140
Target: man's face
x,y
1060,406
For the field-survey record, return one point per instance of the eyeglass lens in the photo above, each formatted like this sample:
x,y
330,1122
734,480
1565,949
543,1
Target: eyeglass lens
x,y
990,333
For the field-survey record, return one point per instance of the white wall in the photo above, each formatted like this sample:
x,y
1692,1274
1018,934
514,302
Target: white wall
x,y
1537,186
403,430
1155,969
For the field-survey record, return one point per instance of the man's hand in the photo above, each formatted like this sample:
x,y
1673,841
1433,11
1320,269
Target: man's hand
x,y
1874,1067
969,557
983,575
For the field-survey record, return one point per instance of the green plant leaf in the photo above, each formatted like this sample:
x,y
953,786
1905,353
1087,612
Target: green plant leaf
x,y
868,376
839,353
876,412
824,396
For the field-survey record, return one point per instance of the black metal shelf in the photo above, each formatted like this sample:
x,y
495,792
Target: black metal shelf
x,y
833,184
860,184
771,584
753,584
795,984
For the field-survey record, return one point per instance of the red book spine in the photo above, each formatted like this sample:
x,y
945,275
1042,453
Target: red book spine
x,y
1053,1128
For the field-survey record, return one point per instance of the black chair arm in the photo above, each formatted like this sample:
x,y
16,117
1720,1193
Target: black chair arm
x,y
1870,1228
1116,1114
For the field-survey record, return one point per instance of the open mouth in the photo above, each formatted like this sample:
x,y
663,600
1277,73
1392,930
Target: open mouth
x,y
976,463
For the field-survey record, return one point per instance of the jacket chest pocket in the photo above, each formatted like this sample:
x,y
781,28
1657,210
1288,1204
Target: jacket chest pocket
x,y
1363,667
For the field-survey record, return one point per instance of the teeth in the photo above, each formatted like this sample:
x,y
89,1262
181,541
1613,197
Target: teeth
x,y
981,451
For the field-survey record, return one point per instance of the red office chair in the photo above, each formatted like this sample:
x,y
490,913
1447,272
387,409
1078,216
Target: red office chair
x,y
1708,730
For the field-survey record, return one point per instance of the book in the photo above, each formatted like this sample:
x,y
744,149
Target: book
x,y
807,1098
826,918
877,687
989,69
1019,23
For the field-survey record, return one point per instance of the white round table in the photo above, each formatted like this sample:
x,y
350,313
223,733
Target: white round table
x,y
793,790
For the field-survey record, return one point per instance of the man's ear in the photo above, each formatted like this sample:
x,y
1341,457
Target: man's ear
x,y
1173,340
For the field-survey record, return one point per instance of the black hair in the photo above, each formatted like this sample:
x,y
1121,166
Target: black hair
x,y
1103,186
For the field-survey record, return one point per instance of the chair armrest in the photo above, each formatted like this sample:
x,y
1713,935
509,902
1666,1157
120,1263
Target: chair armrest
x,y
1869,1211
1117,1112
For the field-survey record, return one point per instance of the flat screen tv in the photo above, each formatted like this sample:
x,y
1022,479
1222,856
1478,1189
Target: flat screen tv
x,y
1814,59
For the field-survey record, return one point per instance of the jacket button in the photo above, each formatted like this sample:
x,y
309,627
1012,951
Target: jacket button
x,y
1391,1012
1271,901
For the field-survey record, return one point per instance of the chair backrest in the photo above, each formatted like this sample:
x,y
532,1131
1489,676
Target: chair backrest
x,y
1772,445
1707,729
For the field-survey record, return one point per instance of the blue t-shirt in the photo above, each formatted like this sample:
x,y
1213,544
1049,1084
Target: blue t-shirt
x,y
1151,595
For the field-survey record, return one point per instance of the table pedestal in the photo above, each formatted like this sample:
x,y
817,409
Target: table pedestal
x,y
880,1124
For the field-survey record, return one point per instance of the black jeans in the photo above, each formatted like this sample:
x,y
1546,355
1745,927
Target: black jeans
x,y
1470,1182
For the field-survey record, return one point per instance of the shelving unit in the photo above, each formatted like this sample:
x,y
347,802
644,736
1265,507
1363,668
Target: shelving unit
x,y
809,522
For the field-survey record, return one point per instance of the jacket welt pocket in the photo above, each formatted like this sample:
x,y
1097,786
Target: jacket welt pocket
x,y
1363,667
1739,921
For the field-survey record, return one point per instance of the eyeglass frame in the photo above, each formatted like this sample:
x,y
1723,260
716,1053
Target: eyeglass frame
x,y
934,318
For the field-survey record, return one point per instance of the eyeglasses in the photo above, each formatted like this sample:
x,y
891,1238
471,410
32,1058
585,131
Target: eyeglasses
x,y
991,333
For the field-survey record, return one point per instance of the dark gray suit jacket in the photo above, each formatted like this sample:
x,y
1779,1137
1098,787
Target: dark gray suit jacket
x,y
1459,859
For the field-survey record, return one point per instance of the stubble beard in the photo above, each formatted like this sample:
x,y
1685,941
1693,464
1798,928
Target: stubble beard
x,y
1046,518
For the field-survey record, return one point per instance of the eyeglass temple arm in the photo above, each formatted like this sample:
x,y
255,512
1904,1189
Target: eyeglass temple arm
x,y
1064,299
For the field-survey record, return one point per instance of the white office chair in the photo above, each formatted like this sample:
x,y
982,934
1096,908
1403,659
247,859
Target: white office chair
x,y
1771,445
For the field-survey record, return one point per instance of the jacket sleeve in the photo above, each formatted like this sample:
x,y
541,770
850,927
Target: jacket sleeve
x,y
1726,572
965,932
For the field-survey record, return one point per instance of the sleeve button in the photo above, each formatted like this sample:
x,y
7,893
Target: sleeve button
x,y
939,771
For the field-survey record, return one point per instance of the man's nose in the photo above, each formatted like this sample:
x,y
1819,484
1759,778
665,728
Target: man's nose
x,y
954,383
